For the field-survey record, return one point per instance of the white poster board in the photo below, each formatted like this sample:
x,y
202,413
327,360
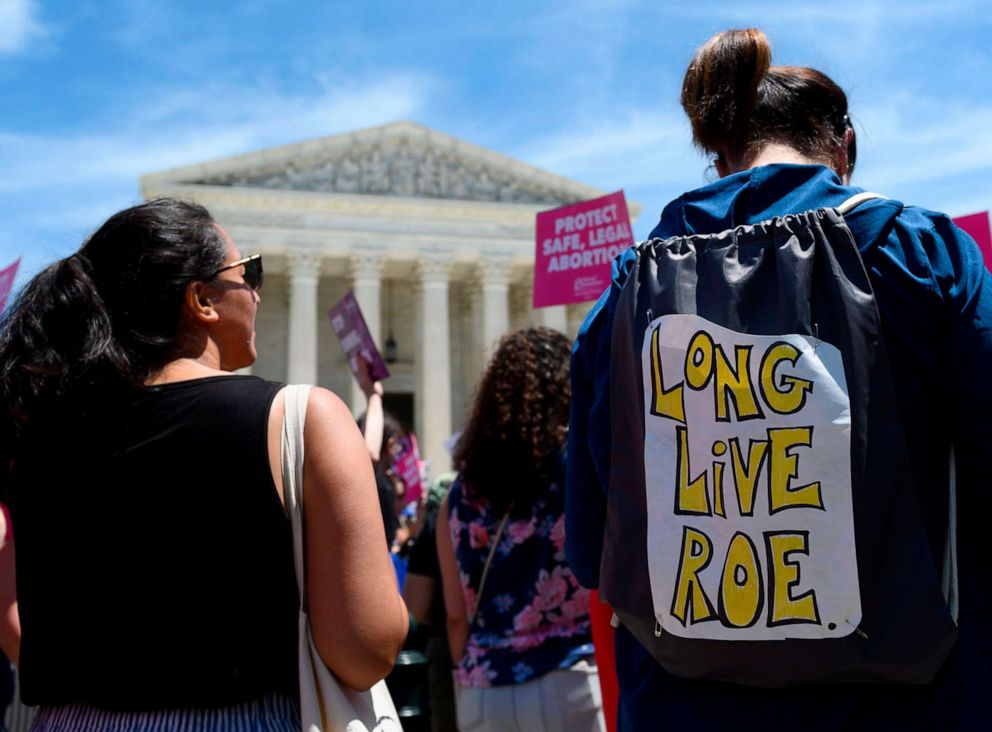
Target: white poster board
x,y
747,461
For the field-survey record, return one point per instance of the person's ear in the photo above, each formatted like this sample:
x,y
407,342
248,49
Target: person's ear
x,y
199,303
722,169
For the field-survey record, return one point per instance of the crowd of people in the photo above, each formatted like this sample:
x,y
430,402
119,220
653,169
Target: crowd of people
x,y
155,584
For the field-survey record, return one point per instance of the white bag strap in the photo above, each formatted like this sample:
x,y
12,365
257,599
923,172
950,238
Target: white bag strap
x,y
857,199
949,576
294,417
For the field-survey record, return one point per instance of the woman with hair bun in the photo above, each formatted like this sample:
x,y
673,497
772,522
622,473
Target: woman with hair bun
x,y
518,622
781,140
155,574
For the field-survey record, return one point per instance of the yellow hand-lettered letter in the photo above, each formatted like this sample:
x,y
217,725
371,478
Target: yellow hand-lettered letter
x,y
746,472
735,384
699,361
790,395
741,588
665,403
784,466
690,604
783,575
691,494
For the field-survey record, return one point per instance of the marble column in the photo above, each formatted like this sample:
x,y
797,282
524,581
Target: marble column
x,y
494,290
366,284
555,316
304,274
465,334
433,397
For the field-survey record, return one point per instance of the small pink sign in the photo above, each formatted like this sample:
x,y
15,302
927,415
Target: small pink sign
x,y
353,335
575,246
7,282
407,466
978,228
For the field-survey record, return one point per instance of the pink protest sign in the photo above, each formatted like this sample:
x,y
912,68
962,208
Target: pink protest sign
x,y
977,226
575,245
407,466
7,282
356,341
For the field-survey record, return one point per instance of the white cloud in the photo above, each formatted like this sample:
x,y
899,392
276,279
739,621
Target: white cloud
x,y
927,153
909,144
640,147
178,127
57,188
18,24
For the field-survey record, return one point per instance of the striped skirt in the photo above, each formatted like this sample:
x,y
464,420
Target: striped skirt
x,y
271,713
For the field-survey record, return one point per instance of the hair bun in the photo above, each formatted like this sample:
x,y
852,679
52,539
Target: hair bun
x,y
721,85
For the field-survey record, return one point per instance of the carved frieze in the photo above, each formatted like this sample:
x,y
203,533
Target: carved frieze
x,y
397,167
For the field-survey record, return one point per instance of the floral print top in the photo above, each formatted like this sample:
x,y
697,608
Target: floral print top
x,y
534,616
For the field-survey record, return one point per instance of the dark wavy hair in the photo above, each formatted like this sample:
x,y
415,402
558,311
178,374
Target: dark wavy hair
x,y
737,101
108,313
519,420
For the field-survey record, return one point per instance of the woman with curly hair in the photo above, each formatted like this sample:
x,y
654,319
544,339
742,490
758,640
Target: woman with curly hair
x,y
518,621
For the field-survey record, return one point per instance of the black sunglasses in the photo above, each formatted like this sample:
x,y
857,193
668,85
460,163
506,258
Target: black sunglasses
x,y
252,274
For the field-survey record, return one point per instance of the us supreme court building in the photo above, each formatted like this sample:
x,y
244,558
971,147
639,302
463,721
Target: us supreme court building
x,y
434,235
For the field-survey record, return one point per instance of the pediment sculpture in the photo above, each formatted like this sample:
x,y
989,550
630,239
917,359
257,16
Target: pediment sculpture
x,y
397,168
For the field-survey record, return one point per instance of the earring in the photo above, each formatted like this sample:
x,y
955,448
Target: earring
x,y
710,173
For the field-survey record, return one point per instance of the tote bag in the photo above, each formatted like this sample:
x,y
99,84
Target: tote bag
x,y
326,705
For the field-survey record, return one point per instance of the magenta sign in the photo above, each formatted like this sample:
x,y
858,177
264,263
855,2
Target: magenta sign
x,y
7,282
407,466
575,245
356,341
977,226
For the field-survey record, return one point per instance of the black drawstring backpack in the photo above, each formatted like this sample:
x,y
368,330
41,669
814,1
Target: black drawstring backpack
x,y
762,526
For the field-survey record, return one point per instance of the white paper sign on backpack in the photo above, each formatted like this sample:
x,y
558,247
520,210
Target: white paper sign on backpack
x,y
747,461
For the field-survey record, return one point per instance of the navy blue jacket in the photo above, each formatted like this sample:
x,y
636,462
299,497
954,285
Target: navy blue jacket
x,y
935,301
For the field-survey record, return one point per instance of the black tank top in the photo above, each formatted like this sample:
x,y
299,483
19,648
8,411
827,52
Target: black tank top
x,y
154,559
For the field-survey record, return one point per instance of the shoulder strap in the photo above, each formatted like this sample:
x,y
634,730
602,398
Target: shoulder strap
x,y
949,575
294,417
485,569
857,199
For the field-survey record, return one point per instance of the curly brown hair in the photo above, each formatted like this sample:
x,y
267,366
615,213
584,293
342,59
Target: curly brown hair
x,y
519,420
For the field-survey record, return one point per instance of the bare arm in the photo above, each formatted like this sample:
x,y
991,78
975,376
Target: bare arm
x,y
358,618
418,593
374,414
454,598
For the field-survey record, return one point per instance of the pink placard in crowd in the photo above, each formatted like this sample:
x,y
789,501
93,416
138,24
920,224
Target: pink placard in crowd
x,y
407,466
575,245
977,226
7,282
353,335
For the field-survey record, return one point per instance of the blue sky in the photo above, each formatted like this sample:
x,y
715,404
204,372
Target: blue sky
x,y
97,93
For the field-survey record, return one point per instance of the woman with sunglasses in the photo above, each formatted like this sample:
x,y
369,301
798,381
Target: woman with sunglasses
x,y
155,564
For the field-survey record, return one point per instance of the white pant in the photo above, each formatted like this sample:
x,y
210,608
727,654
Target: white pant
x,y
567,700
